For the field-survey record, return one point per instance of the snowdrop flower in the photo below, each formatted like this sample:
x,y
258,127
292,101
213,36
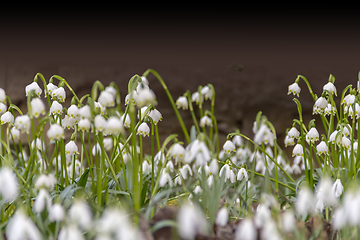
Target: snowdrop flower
x,y
100,123
77,168
305,201
22,123
159,157
3,108
70,232
68,122
312,135
222,217
330,87
56,108
15,134
325,192
294,89
198,190
214,167
106,99
198,151
335,137
246,230
2,96
264,135
191,221
143,130
337,188
131,97
114,126
177,151
229,147
81,214
108,144
330,110
242,174
37,143
84,124
296,169
165,178
155,116
293,133
34,86
9,187
229,174
348,100
56,213
288,221
145,97
351,110
298,150
289,141
7,117
42,200
37,107
319,106
46,181
207,92
21,226
185,170
51,87
170,166
55,132
322,148
182,102
85,112
71,148
345,142
195,97
112,90
59,94
126,121
210,181
73,111
205,121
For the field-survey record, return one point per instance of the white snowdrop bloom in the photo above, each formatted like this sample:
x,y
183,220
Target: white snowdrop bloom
x,y
146,167
242,174
155,116
288,141
144,112
185,170
81,214
198,190
222,217
320,105
100,123
293,133
159,157
296,169
51,87
37,143
330,87
77,168
7,117
177,151
322,148
195,97
59,94
56,213
84,124
111,89
142,86
131,97
55,132
214,167
2,96
288,221
170,166
126,121
347,130
238,141
312,135
191,221
73,111
143,130
22,123
229,147
15,134
21,226
106,99
330,110
207,92
348,100
294,89
99,108
9,187
33,86
114,126
339,218
260,167
165,178
345,142
198,151
71,148
46,181
56,108
298,150
335,137
288,168
96,149
337,188
108,144
70,232
37,107
85,112
305,202
325,192
205,121
229,173
246,230
270,231
264,135
182,102
210,181
42,200
3,108
145,97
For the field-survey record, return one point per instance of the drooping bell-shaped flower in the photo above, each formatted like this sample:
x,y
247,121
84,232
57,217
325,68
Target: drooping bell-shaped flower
x,y
15,134
145,96
348,100
3,108
106,99
9,186
22,123
84,124
205,121
198,151
2,96
298,150
34,86
312,135
294,89
37,107
182,102
59,94
71,148
320,105
242,174
191,221
80,213
143,130
73,111
56,213
51,87
177,151
330,87
114,126
21,226
155,116
42,201
55,132
337,188
322,148
229,147
7,117
47,181
100,123
207,92
56,108
165,178
85,112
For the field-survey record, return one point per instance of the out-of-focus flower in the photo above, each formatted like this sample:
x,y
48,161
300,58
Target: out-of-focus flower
x,y
9,186
34,86
191,221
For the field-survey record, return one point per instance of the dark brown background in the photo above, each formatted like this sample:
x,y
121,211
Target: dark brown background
x,y
187,48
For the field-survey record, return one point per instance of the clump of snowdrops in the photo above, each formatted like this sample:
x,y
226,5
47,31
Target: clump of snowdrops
x,y
78,170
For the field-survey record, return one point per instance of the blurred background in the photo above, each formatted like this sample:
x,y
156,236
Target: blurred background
x,y
250,54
